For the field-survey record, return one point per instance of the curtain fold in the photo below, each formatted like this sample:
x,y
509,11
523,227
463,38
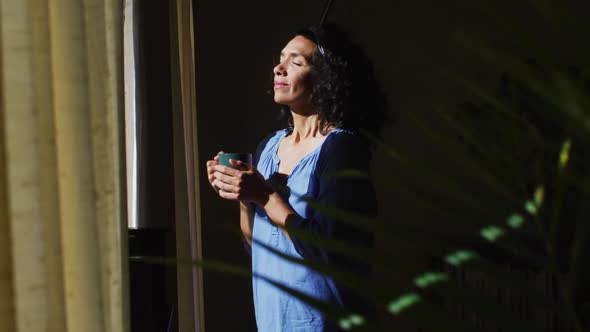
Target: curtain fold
x,y
63,237
186,164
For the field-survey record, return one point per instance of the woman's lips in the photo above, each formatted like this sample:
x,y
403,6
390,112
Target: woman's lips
x,y
279,85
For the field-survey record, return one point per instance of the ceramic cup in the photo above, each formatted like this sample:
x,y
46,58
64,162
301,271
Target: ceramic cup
x,y
242,156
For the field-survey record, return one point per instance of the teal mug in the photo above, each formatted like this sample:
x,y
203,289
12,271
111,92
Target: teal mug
x,y
242,156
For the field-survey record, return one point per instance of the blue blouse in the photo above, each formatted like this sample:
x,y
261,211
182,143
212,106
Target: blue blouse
x,y
277,311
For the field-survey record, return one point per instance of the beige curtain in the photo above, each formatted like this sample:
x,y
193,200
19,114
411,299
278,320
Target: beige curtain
x,y
62,228
186,162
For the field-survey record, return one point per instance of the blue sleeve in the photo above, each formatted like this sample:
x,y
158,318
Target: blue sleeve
x,y
355,194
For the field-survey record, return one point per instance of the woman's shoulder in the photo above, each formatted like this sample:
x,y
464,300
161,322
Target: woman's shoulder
x,y
345,147
345,139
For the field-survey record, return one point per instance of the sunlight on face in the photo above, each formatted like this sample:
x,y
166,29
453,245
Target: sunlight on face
x,y
292,76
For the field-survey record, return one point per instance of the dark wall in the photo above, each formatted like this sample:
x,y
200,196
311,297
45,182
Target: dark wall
x,y
410,42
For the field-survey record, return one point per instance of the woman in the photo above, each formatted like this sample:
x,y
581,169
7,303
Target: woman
x,y
327,84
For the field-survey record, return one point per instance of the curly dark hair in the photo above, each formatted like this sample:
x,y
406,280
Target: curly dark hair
x,y
346,90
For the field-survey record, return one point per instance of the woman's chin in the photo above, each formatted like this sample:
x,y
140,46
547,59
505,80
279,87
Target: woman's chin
x,y
281,101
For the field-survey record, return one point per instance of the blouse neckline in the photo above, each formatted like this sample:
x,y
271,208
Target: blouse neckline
x,y
275,153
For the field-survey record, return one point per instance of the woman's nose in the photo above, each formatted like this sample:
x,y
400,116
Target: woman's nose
x,y
279,69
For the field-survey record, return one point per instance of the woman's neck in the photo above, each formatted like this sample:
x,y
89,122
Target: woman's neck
x,y
306,126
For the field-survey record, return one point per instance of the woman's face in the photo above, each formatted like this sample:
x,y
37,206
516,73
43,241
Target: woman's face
x,y
292,76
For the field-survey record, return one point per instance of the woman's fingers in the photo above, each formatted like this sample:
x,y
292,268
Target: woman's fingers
x,y
231,182
228,195
227,170
210,165
216,158
239,164
226,188
225,178
211,171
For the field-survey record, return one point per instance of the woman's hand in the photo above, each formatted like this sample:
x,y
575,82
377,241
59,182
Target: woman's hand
x,y
211,170
244,184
